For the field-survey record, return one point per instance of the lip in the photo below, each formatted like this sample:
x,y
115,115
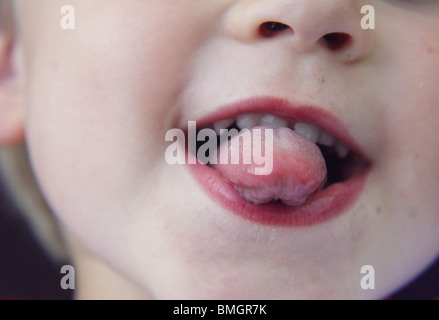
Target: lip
x,y
320,207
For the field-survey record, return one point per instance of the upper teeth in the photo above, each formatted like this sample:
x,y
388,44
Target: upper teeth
x,y
342,149
309,131
248,121
326,139
273,122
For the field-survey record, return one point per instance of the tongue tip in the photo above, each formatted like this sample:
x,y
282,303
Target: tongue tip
x,y
297,168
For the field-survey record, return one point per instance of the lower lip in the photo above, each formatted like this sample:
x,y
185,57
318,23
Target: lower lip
x,y
320,207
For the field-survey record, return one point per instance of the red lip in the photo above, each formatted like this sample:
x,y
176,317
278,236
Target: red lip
x,y
322,206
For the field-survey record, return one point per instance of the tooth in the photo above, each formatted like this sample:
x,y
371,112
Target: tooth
x,y
273,122
223,124
326,139
307,130
248,121
342,149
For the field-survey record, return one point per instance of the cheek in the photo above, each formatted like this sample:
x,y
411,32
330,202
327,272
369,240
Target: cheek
x,y
99,106
409,104
411,133
403,210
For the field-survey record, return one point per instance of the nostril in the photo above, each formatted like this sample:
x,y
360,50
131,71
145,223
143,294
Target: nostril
x,y
271,28
336,41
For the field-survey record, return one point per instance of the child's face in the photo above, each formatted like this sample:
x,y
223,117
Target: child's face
x,y
100,99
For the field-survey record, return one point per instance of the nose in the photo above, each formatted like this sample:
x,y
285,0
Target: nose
x,y
333,26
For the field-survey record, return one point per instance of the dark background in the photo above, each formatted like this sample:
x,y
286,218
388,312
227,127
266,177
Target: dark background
x,y
27,273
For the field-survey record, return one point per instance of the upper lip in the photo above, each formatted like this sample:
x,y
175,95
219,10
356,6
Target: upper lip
x,y
285,109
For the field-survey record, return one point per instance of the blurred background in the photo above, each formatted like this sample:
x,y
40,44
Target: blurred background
x,y
27,273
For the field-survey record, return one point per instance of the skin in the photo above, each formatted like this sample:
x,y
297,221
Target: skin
x,y
94,105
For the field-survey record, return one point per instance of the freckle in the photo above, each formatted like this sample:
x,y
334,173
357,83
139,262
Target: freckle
x,y
379,210
319,79
431,50
413,214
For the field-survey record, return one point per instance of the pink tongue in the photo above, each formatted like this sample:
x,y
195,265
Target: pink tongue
x,y
298,167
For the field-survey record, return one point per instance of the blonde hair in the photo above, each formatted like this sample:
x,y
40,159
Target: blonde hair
x,y
17,175
6,16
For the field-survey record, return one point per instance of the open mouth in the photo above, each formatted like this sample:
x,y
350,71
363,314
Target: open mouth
x,y
346,166
341,163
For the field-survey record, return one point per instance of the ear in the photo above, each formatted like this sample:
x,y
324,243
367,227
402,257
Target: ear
x,y
11,110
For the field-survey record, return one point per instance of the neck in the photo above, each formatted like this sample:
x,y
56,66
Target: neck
x,y
95,280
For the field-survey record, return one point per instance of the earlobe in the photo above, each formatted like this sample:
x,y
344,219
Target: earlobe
x,y
11,111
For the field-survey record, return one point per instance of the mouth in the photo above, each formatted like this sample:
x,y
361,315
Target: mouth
x,y
346,166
